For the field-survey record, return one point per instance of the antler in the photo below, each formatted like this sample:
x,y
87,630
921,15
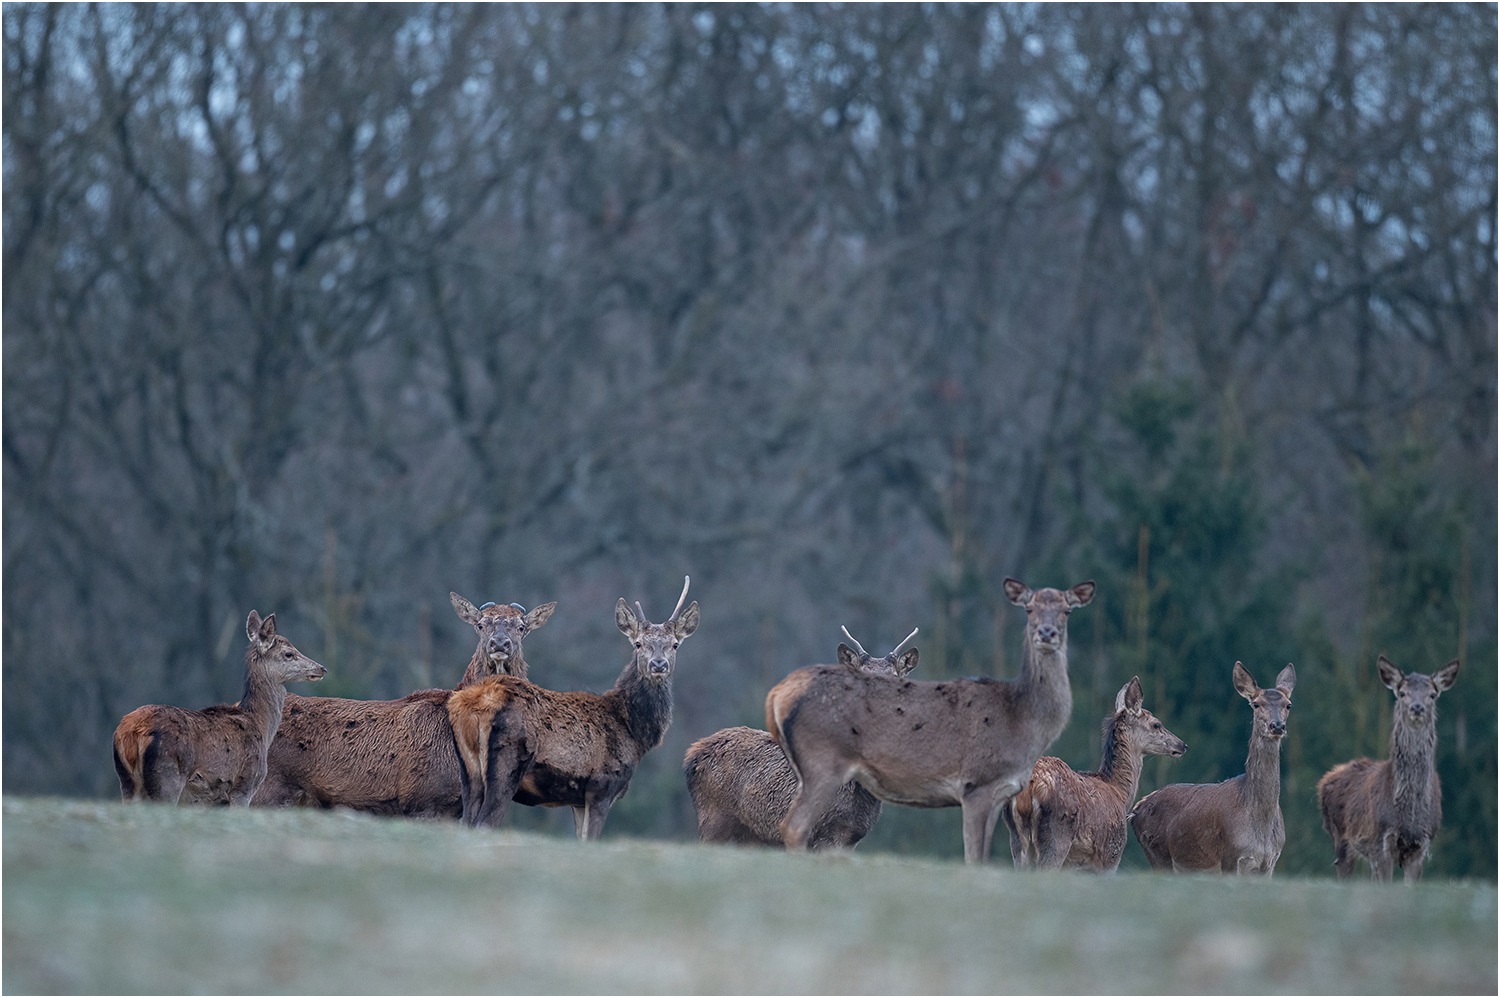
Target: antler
x,y
903,640
685,581
857,646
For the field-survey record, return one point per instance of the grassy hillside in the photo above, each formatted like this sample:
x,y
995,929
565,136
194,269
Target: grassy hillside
x,y
154,900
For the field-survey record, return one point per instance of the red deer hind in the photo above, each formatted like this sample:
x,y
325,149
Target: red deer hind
x,y
159,748
391,757
1229,827
520,742
1388,811
1069,820
742,784
967,743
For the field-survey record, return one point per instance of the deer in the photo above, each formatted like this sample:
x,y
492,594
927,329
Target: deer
x,y
967,743
742,784
1068,820
1388,811
159,748
1229,827
518,741
391,757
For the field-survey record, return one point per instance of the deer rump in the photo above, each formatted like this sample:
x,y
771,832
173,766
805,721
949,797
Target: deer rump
x,y
742,788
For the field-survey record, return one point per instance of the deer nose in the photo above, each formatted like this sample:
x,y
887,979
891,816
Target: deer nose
x,y
1047,634
1418,709
657,666
500,646
1277,727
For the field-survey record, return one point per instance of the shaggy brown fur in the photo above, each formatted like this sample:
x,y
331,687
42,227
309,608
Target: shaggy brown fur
x,y
159,748
742,785
1068,820
392,757
519,741
1388,811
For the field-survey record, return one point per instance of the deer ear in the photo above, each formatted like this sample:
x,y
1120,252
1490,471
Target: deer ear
x,y
1389,674
1081,594
907,662
1445,677
538,615
625,620
1243,684
1129,695
687,623
847,656
265,633
252,626
464,609
1286,679
1016,592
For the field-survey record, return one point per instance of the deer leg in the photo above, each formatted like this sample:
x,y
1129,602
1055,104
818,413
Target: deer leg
x,y
814,796
1411,870
1020,856
981,811
508,761
1381,862
1053,842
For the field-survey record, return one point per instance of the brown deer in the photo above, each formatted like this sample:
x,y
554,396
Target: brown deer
x,y
1068,820
742,784
159,748
967,743
575,749
1229,827
391,757
1388,811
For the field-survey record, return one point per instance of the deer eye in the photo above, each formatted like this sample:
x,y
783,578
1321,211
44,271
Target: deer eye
x,y
637,644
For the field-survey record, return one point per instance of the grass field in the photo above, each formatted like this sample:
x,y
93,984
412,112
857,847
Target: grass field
x,y
104,898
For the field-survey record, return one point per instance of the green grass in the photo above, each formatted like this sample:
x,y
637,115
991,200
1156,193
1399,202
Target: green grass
x,y
105,898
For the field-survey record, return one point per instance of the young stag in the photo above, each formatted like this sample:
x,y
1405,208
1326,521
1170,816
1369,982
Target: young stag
x,y
966,743
1388,811
742,784
1229,827
391,757
575,749
1068,820
222,748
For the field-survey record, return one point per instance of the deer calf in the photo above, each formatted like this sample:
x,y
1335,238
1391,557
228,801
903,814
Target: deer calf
x,y
967,743
1229,827
742,784
1069,820
1388,811
158,748
518,741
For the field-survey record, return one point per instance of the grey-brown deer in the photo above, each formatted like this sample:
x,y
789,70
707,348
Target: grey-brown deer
x,y
391,757
159,748
742,784
1229,827
518,741
1068,820
967,743
1388,811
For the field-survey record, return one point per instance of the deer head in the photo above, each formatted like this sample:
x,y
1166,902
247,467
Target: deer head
x,y
656,644
1047,611
283,662
858,658
1271,706
1416,694
501,628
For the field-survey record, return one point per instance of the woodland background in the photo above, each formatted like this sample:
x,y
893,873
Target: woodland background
x,y
846,312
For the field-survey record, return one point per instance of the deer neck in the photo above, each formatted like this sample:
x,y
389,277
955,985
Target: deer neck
x,y
1413,765
480,668
1044,686
1263,774
647,706
263,698
1121,766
